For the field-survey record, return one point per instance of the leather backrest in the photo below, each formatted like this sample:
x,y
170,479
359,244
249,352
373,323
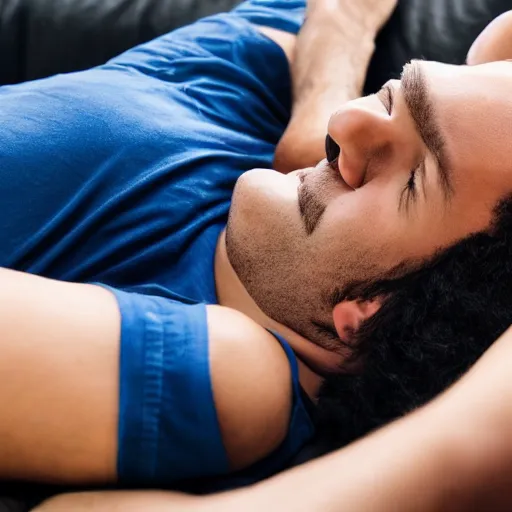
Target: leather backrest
x,y
441,30
39,38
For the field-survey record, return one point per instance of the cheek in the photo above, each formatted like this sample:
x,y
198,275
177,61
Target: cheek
x,y
364,222
373,235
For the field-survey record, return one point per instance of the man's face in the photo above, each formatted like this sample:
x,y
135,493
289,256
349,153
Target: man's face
x,y
422,164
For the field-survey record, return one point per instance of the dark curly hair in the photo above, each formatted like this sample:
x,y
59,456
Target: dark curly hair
x,y
436,321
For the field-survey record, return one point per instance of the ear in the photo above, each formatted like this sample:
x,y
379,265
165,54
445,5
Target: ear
x,y
494,43
349,315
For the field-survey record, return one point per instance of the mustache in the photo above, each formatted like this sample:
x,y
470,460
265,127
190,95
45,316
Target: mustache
x,y
312,199
311,209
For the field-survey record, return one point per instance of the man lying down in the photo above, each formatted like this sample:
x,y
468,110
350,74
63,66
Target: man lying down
x,y
331,299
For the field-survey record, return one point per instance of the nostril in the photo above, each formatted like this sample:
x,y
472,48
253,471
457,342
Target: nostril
x,y
332,150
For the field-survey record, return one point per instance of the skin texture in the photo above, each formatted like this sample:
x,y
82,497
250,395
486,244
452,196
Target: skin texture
x,y
60,364
494,43
370,222
332,55
60,351
328,66
453,454
250,378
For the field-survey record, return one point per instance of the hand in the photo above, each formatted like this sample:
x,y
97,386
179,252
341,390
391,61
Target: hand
x,y
333,51
494,43
361,14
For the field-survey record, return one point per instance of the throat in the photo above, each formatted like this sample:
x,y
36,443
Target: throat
x,y
231,292
313,360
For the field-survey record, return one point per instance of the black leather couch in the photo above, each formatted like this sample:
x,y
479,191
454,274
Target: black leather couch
x,y
43,37
39,38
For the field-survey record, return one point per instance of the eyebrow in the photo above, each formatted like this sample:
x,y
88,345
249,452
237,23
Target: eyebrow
x,y
421,108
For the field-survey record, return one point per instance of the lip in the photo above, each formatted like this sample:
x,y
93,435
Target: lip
x,y
303,174
325,168
338,176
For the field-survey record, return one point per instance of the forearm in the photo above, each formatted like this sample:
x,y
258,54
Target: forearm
x,y
127,501
431,461
332,55
454,454
410,466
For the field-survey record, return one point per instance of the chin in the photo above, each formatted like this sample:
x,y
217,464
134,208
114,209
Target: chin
x,y
264,234
265,204
267,184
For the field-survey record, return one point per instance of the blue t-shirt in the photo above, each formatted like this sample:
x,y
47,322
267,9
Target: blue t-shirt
x,y
122,175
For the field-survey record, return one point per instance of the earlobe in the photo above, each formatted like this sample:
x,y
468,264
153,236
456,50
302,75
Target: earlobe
x,y
349,315
494,43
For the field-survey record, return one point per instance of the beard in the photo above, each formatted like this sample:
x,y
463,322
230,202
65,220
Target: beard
x,y
291,276
269,274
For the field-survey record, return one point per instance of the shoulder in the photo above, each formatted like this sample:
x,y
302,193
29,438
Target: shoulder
x,y
252,386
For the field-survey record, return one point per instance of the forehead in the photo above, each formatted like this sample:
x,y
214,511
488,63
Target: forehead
x,y
473,108
487,82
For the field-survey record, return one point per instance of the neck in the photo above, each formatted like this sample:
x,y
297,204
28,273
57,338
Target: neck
x,y
313,360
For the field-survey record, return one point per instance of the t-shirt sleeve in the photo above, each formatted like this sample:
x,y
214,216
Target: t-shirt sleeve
x,y
168,428
286,15
227,71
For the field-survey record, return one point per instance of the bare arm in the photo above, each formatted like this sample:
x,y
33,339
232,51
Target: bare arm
x,y
60,348
59,367
329,68
454,454
127,501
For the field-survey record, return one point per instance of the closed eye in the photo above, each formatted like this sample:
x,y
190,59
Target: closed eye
x,y
410,191
387,97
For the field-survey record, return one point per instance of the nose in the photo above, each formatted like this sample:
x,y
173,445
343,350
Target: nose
x,y
357,133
